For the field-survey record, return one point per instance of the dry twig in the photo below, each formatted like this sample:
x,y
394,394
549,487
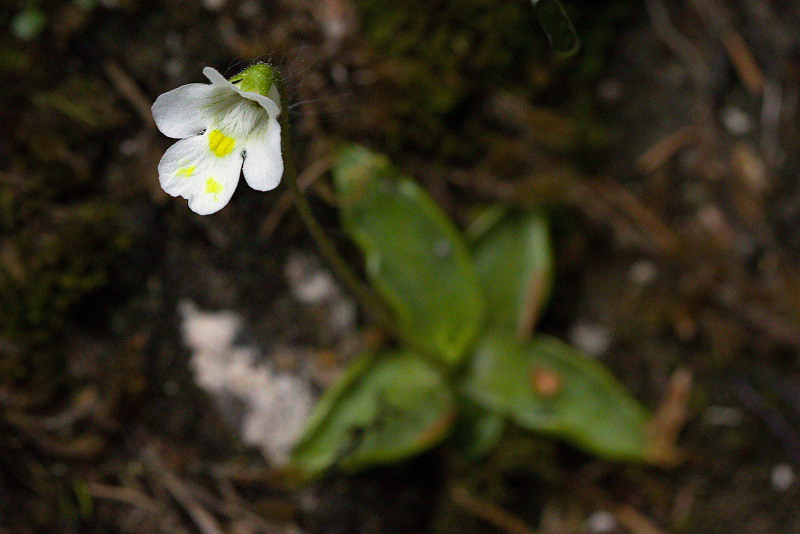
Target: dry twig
x,y
129,90
123,495
666,148
670,417
489,512
310,175
744,63
202,518
618,207
635,522
204,521
677,43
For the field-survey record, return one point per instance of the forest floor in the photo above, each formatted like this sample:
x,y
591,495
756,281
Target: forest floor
x,y
665,155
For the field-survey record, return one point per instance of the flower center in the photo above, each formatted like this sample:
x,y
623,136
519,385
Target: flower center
x,y
219,143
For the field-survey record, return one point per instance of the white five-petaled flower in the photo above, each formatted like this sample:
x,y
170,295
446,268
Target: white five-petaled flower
x,y
224,128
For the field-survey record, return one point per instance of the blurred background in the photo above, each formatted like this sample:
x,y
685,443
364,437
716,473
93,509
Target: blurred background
x,y
664,153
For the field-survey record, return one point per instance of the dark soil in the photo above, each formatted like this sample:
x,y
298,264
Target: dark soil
x,y
665,154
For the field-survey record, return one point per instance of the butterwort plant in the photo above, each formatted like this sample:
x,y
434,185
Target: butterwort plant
x,y
462,307
224,128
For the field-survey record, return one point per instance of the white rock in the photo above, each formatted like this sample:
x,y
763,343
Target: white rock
x,y
643,272
592,338
601,522
276,404
782,477
735,120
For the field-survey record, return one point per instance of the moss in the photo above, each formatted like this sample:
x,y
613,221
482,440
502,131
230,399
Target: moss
x,y
50,264
58,229
444,59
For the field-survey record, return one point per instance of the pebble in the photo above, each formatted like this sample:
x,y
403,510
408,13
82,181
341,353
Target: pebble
x,y
592,338
643,272
213,5
782,477
735,120
601,522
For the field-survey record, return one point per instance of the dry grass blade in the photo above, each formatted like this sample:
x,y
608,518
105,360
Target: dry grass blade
x,y
635,522
660,152
129,90
682,47
310,175
631,220
744,63
205,522
489,512
123,495
669,419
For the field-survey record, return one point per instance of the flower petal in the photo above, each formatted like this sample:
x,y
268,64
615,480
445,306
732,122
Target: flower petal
x,y
182,112
265,102
190,169
263,163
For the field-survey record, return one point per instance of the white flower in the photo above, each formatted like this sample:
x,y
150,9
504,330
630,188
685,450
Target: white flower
x,y
223,127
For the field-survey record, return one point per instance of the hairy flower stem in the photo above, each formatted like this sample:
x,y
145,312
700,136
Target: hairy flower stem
x,y
363,293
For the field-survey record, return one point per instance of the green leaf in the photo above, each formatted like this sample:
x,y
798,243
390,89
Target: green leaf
x,y
514,263
477,430
547,386
415,258
557,25
384,409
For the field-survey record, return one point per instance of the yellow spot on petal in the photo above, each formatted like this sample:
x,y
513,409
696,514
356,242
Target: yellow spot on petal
x,y
213,187
219,143
185,171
